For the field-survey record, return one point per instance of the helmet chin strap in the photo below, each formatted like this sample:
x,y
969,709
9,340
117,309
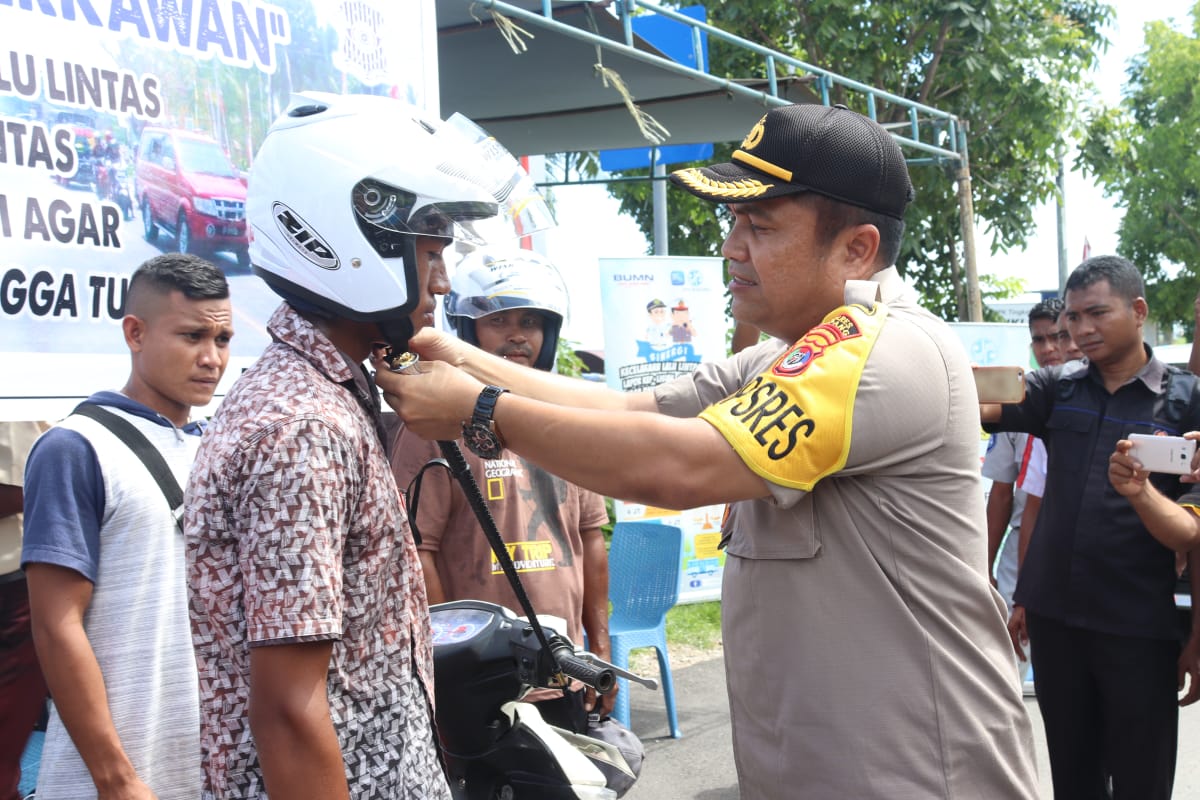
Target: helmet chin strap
x,y
397,332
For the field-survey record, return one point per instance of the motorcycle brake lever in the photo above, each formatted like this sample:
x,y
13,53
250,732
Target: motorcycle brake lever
x,y
649,683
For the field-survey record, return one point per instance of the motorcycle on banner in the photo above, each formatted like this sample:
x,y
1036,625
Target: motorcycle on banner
x,y
112,183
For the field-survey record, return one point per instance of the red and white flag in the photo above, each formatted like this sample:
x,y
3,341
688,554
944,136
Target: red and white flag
x,y
1087,249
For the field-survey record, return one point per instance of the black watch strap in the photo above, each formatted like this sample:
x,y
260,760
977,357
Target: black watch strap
x,y
480,434
485,405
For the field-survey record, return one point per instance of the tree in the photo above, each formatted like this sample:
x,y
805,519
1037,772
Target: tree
x,y
1145,154
1011,69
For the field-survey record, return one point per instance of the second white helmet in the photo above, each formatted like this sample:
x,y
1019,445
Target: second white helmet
x,y
487,281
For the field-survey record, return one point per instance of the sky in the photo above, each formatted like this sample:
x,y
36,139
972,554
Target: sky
x,y
590,225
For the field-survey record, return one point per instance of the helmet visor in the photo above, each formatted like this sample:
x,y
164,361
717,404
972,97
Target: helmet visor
x,y
486,283
482,196
484,162
481,305
385,214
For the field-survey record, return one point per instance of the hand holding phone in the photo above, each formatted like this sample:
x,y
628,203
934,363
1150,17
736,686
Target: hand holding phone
x,y
999,384
1171,454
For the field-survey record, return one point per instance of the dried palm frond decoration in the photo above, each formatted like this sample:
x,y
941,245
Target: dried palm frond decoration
x,y
512,32
652,130
516,37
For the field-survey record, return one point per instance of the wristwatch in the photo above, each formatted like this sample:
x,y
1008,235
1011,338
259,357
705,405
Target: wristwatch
x,y
479,432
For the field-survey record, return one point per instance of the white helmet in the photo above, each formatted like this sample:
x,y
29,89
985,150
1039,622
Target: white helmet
x,y
489,281
343,184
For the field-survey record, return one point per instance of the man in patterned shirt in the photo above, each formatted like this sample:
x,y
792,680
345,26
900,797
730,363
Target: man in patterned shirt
x,y
308,607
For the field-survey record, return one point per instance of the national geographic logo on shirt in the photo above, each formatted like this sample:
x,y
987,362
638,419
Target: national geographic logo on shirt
x,y
502,468
770,416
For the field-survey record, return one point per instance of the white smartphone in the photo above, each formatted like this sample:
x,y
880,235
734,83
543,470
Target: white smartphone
x,y
1171,454
999,384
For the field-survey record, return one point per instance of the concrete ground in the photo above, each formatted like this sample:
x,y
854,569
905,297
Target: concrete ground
x,y
700,765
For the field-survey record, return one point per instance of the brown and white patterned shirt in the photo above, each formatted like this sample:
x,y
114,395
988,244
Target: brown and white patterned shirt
x,y
296,533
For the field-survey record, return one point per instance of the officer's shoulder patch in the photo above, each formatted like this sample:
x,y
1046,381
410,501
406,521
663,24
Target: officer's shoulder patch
x,y
838,328
791,424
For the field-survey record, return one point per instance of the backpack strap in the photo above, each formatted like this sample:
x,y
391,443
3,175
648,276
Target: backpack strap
x,y
412,495
136,441
1172,411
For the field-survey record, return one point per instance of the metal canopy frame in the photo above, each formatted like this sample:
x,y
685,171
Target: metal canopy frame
x,y
552,98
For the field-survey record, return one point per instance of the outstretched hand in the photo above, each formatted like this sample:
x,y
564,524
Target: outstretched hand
x,y
432,397
432,344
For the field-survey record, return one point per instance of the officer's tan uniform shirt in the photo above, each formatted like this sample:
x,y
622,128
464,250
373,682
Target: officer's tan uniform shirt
x,y
867,655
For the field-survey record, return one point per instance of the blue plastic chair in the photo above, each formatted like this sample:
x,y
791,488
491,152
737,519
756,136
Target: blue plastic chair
x,y
643,585
31,761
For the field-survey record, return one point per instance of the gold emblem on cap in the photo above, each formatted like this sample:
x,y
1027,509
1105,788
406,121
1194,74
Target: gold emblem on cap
x,y
695,179
755,135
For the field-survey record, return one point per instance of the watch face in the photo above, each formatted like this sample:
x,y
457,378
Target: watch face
x,y
480,440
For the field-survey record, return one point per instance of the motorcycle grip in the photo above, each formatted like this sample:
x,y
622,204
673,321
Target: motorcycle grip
x,y
602,679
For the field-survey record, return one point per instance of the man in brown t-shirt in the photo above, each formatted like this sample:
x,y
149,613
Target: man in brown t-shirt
x,y
513,305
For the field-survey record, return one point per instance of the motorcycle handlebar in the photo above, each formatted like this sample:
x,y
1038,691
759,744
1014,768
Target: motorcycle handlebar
x,y
602,679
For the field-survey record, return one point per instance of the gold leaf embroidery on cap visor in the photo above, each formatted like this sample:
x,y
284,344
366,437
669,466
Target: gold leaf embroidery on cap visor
x,y
695,179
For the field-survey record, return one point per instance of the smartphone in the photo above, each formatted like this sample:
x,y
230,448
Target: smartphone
x,y
1171,454
1000,384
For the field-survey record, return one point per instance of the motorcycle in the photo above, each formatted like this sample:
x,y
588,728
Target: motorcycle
x,y
85,170
112,185
486,659
499,748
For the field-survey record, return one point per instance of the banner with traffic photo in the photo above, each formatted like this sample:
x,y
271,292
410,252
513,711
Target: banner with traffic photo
x,y
127,128
663,316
